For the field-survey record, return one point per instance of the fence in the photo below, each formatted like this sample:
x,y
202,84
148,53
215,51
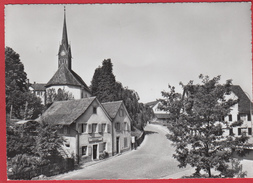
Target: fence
x,y
48,170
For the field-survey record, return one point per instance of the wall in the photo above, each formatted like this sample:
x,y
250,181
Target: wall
x,y
122,133
97,138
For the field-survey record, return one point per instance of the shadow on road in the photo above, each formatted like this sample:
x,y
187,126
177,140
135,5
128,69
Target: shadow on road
x,y
149,132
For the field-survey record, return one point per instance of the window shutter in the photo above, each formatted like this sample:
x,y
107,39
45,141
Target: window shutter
x,y
89,150
108,128
101,148
99,128
79,128
122,126
90,128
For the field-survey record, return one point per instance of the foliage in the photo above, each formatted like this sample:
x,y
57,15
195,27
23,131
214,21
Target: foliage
x,y
48,142
24,104
32,145
23,163
61,95
21,139
196,126
105,87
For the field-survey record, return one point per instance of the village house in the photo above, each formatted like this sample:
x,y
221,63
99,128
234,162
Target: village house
x,y
90,128
86,127
121,126
241,111
160,115
39,90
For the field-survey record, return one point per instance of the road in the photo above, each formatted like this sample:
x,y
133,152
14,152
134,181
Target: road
x,y
152,160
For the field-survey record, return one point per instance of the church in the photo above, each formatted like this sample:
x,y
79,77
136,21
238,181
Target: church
x,y
64,79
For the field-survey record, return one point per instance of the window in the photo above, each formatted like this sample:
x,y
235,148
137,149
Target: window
x,y
238,117
230,117
249,131
83,127
126,126
231,131
125,142
84,150
239,131
94,110
121,112
103,127
94,128
117,126
222,118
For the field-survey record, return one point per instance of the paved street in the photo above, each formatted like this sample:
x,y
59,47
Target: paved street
x,y
152,160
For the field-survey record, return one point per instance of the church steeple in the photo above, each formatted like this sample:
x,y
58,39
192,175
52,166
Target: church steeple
x,y
64,54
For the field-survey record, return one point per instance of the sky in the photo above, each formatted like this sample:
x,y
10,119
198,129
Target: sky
x,y
150,45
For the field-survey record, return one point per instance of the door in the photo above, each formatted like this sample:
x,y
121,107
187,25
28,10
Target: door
x,y
95,147
117,145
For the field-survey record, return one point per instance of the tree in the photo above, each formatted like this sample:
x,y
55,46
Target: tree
x,y
196,125
103,82
105,87
20,102
48,143
32,145
61,95
15,80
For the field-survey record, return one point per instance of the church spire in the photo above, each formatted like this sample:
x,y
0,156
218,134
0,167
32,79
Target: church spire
x,y
64,55
64,32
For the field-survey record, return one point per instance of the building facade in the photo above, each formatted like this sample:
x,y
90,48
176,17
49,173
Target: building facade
x,y
90,129
121,126
241,111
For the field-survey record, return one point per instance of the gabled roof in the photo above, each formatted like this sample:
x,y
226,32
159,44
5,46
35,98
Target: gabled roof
x,y
64,76
66,112
244,103
152,104
39,86
112,108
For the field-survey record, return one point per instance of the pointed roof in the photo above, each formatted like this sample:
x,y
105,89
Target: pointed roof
x,y
64,32
64,76
66,112
244,103
112,108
